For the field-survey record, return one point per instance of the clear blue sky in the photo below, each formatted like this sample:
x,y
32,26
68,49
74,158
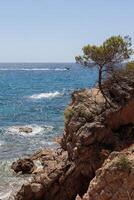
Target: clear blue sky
x,y
56,30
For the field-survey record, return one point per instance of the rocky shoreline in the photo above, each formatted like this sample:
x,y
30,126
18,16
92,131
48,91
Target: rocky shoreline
x,y
95,159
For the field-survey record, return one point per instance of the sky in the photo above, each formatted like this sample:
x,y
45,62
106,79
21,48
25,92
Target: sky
x,y
56,30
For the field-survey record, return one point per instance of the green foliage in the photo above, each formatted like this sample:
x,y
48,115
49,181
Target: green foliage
x,y
124,163
69,112
113,50
130,66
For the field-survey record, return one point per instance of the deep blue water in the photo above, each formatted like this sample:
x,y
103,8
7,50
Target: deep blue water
x,y
36,95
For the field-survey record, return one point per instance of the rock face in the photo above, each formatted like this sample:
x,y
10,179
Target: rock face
x,y
114,180
93,130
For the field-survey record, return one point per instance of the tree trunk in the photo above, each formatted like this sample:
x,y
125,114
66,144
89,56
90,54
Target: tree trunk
x,y
100,86
100,80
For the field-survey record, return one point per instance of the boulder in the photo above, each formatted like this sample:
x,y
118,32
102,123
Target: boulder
x,y
26,166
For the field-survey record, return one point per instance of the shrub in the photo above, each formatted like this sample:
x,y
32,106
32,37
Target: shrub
x,y
124,163
130,66
69,112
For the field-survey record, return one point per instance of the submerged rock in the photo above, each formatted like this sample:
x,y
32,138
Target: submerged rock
x,y
25,130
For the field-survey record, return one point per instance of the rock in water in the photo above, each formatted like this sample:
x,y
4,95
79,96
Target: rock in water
x,y
25,130
26,166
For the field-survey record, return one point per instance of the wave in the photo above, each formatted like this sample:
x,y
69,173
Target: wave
x,y
33,69
1,143
48,95
5,196
35,130
60,69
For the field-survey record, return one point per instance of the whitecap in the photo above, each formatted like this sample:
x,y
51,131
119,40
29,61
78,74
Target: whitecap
x,y
24,69
48,143
48,95
32,69
60,69
1,143
35,130
5,196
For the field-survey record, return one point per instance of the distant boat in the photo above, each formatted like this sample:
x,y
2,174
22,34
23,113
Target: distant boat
x,y
67,68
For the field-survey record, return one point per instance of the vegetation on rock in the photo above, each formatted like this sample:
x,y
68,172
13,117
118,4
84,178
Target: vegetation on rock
x,y
130,66
106,57
124,163
69,112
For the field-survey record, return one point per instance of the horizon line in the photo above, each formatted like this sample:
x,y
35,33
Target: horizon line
x,y
20,62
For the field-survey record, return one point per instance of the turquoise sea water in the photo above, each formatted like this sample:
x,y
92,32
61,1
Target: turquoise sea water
x,y
34,95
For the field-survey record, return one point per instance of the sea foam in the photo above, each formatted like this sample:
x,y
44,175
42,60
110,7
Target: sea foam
x,y
48,95
35,130
1,143
9,183
33,69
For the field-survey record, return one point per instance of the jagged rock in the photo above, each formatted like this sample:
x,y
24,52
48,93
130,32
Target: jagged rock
x,y
57,139
78,197
37,190
44,154
25,166
25,130
114,180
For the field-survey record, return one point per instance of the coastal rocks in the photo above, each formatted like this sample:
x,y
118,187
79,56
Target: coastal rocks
x,y
114,180
25,130
32,191
37,163
47,184
37,190
25,166
93,130
57,139
95,123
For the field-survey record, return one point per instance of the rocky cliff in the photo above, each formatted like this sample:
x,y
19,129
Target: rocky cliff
x,y
89,160
115,179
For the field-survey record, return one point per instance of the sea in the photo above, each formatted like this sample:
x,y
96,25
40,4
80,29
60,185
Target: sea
x,y
34,95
